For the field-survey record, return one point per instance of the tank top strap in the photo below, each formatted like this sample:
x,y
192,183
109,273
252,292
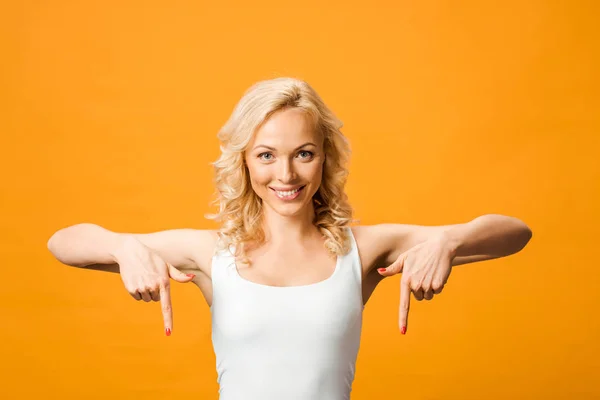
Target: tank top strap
x,y
223,261
353,257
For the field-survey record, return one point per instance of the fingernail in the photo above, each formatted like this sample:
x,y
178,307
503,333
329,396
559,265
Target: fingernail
x,y
381,270
403,330
190,275
168,332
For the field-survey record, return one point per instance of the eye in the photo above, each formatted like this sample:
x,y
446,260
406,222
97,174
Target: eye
x,y
305,154
265,156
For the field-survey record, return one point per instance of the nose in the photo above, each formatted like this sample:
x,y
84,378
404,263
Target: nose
x,y
286,173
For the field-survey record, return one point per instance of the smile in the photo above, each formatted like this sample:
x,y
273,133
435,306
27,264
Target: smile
x,y
288,194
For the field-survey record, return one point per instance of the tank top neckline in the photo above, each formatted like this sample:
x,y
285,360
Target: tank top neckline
x,y
294,287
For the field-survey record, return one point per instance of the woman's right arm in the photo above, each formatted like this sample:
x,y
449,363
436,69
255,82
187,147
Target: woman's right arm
x,y
94,247
146,262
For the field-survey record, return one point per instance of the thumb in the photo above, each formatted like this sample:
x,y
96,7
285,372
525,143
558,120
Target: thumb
x,y
395,268
179,276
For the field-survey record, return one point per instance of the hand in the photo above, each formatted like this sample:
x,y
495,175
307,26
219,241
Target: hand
x,y
425,270
146,276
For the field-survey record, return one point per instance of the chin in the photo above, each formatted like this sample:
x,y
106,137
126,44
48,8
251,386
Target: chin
x,y
289,211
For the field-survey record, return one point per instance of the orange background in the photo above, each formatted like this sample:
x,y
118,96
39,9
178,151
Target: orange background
x,y
109,114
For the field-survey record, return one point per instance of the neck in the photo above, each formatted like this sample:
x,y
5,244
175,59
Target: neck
x,y
283,230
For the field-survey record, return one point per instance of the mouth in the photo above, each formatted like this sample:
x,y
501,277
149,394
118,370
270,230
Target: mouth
x,y
288,194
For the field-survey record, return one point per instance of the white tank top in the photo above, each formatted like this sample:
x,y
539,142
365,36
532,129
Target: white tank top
x,y
286,343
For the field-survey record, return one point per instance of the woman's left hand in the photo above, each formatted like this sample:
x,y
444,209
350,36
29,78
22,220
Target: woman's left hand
x,y
425,270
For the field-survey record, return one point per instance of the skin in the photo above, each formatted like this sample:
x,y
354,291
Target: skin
x,y
293,253
279,157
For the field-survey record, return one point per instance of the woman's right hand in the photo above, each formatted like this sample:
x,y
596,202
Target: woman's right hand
x,y
147,276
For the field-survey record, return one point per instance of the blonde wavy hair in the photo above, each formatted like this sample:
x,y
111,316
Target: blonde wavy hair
x,y
240,209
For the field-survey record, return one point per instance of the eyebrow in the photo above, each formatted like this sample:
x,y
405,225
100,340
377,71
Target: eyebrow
x,y
273,149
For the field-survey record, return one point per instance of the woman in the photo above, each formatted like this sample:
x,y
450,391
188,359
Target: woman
x,y
286,277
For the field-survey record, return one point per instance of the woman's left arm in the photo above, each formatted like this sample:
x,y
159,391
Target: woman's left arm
x,y
489,235
425,255
484,238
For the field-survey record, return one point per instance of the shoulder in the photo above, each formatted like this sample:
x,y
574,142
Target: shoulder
x,y
186,248
204,243
370,247
379,245
375,238
207,243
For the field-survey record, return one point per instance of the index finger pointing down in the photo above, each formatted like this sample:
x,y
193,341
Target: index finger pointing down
x,y
167,311
404,305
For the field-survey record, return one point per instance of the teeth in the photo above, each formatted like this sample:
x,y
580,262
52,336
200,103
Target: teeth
x,y
285,194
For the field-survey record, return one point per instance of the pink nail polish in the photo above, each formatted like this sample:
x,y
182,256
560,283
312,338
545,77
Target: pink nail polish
x,y
403,330
190,275
381,270
168,332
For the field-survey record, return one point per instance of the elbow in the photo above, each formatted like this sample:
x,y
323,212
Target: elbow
x,y
519,233
51,245
56,248
525,231
523,237
528,235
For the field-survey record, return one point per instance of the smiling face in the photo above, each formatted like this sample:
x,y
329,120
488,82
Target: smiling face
x,y
285,162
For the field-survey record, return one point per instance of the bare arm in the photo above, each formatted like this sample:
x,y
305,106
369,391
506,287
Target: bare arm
x,y
94,247
145,262
432,251
395,239
86,244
